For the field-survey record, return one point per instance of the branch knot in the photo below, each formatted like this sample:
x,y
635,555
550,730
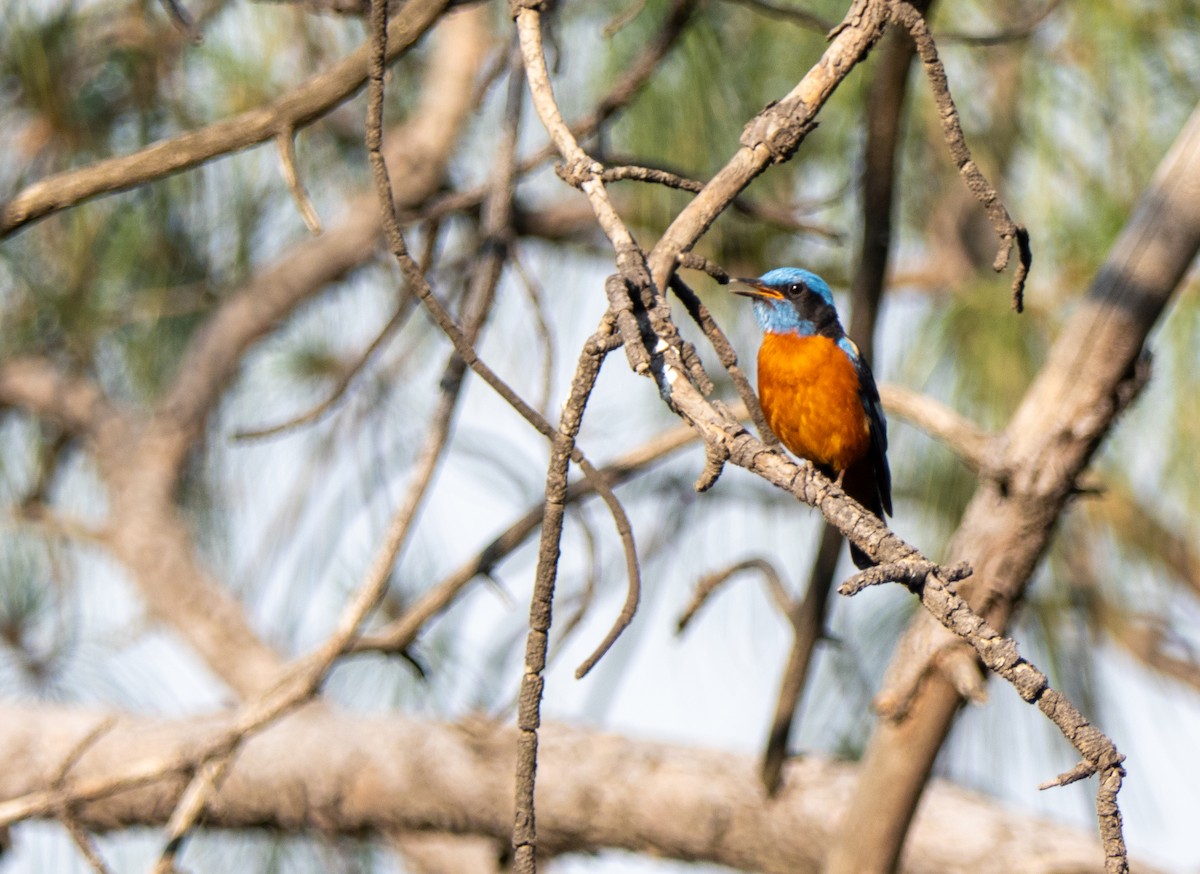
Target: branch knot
x,y
580,170
778,129
516,7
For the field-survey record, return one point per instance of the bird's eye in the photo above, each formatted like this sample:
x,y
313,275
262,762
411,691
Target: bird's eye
x,y
795,289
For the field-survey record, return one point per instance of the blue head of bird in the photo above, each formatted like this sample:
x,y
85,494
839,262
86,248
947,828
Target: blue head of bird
x,y
790,300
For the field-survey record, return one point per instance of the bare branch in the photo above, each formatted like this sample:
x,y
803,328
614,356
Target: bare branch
x,y
419,151
807,618
968,441
1009,231
294,110
710,583
348,374
524,834
286,142
1006,527
429,776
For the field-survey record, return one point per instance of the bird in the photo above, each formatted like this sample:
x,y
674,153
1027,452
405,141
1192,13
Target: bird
x,y
816,389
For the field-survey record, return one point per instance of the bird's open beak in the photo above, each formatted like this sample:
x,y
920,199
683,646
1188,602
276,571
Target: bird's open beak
x,y
754,288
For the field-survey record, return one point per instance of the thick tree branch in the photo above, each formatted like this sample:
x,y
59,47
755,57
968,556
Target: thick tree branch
x,y
352,774
1008,524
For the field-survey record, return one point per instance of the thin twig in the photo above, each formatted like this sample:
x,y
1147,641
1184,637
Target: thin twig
x,y
585,598
345,379
807,618
286,141
524,839
534,292
708,585
725,353
908,17
1000,655
65,811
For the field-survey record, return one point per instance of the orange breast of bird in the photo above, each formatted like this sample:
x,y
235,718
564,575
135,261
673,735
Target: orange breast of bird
x,y
809,393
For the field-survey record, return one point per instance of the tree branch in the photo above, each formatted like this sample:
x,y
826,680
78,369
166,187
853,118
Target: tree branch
x,y
1009,522
285,114
354,774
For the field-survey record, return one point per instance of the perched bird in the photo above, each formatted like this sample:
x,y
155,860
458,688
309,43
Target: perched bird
x,y
816,390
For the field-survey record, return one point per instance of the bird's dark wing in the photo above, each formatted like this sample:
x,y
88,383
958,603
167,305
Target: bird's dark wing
x,y
877,453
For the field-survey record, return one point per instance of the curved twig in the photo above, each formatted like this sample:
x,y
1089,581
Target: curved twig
x,y
285,140
710,583
905,15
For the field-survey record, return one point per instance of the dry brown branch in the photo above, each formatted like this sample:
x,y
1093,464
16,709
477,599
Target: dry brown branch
x,y
907,16
807,618
358,775
964,438
524,834
633,590
65,813
297,108
999,654
1007,526
651,174
781,217
708,585
285,140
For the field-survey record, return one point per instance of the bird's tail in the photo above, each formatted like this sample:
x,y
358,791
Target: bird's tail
x,y
860,484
